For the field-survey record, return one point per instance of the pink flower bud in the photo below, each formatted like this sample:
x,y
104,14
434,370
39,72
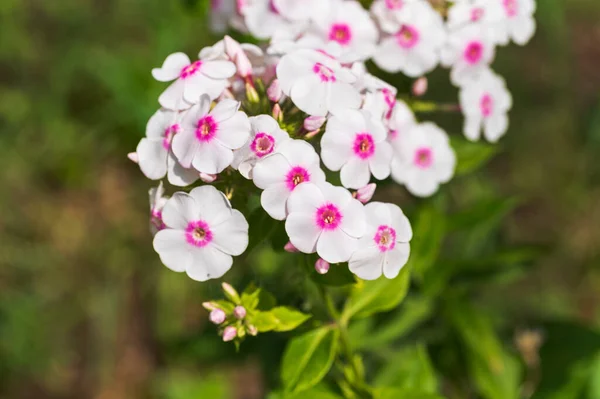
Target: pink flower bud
x,y
208,178
289,247
277,113
209,306
252,330
217,316
419,87
229,333
314,123
274,91
239,312
365,194
133,157
230,292
237,55
321,266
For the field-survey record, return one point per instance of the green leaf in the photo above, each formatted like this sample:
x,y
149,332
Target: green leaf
x,y
318,392
262,226
338,275
257,298
263,321
395,393
428,236
308,358
483,212
409,368
287,318
471,156
380,295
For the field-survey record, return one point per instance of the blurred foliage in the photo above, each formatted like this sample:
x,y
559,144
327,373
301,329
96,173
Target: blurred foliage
x,y
504,260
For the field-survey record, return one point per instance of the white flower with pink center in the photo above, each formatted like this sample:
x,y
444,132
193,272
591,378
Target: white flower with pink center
x,y
207,139
317,83
467,12
191,80
385,248
263,19
157,203
401,120
385,12
265,138
380,103
325,219
423,159
155,156
202,233
350,25
515,21
279,174
355,143
301,10
469,52
414,47
485,103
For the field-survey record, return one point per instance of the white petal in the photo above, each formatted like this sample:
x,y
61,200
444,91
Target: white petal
x,y
354,221
270,170
225,109
299,153
179,210
380,164
389,57
472,127
310,95
422,184
179,176
367,263
523,30
172,97
305,198
200,84
171,68
400,223
395,260
213,206
234,132
355,173
185,146
152,158
335,246
302,231
208,263
274,199
496,127
342,97
231,236
218,69
158,123
173,249
288,71
212,158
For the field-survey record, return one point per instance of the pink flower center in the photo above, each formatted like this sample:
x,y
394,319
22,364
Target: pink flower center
x,y
394,4
385,238
328,217
486,105
325,73
156,219
262,144
477,14
207,128
190,70
340,33
407,37
511,7
198,233
424,157
364,146
295,176
473,52
168,136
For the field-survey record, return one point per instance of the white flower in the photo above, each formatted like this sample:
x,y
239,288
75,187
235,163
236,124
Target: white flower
x,y
515,22
423,159
303,11
380,103
325,219
401,120
240,54
485,102
354,142
367,82
265,138
295,162
207,139
469,51
317,83
348,24
157,203
466,12
414,47
154,151
192,80
263,18
202,234
385,12
385,248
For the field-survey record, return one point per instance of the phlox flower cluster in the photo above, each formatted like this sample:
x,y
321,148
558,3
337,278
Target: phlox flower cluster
x,y
287,113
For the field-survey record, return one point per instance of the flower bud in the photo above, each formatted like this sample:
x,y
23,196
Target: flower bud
x,y
208,178
237,55
231,293
274,91
365,194
314,123
217,316
419,87
321,266
252,330
251,93
239,312
209,306
289,247
229,333
133,157
312,134
277,113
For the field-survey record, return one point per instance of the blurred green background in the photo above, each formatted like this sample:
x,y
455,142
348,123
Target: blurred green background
x,y
86,308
